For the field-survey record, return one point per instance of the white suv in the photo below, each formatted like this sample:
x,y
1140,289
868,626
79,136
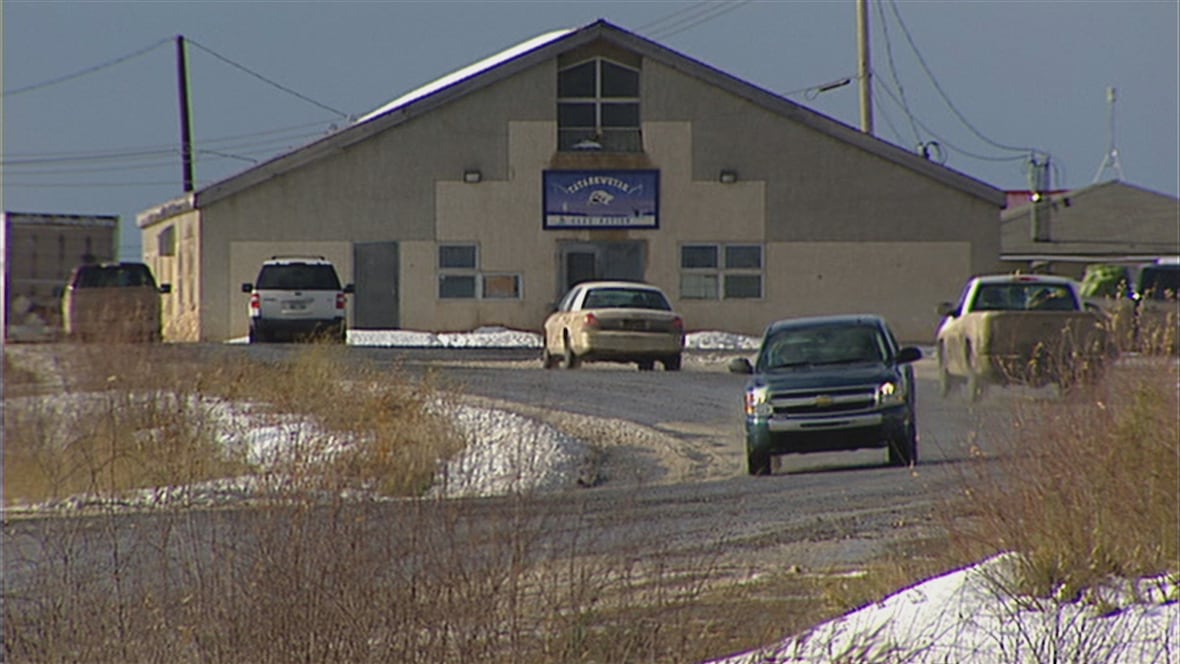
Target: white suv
x,y
297,297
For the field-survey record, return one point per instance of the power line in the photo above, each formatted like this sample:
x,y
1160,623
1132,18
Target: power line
x,y
889,93
893,73
704,11
84,72
942,93
265,79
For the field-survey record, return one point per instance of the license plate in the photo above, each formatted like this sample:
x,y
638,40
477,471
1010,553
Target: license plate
x,y
295,306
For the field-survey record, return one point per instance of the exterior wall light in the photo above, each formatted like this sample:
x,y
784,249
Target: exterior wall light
x,y
728,177
472,176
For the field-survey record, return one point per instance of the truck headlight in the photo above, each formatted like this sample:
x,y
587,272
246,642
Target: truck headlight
x,y
758,402
891,393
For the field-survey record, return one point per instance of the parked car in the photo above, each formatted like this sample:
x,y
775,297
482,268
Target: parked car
x,y
112,301
829,383
1020,329
614,321
297,298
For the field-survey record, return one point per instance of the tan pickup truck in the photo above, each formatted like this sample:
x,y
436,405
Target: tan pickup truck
x,y
1020,329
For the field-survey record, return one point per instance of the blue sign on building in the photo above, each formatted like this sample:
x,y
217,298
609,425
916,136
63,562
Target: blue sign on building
x,y
601,199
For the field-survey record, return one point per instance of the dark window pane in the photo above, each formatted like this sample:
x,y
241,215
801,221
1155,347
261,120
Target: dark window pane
x,y
619,81
452,286
569,138
577,81
620,115
575,115
460,256
621,140
743,256
698,286
743,286
297,276
699,255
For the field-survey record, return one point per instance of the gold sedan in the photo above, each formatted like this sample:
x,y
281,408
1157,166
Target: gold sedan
x,y
614,321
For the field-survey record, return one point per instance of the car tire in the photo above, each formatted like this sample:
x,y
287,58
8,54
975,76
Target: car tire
x,y
569,359
946,382
671,363
646,365
758,463
903,449
976,383
549,360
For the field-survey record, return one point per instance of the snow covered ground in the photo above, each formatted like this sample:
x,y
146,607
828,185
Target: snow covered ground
x,y
963,617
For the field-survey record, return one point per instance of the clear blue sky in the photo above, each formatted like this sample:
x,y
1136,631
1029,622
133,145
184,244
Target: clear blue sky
x,y
1020,75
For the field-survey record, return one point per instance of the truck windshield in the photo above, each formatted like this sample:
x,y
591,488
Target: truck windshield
x,y
823,345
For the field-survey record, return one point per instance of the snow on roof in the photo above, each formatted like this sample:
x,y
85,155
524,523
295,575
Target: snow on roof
x,y
486,64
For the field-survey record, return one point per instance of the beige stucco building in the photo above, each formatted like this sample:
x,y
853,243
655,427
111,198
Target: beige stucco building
x,y
40,251
588,153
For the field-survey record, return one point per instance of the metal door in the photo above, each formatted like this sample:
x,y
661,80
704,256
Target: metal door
x,y
589,261
375,303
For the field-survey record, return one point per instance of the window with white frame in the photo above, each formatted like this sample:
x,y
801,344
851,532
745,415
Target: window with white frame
x,y
459,276
721,271
598,107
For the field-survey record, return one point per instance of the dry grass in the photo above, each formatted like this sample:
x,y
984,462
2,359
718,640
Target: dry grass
x,y
1086,488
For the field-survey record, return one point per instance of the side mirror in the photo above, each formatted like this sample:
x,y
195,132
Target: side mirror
x,y
350,288
908,354
246,288
165,288
740,365
947,309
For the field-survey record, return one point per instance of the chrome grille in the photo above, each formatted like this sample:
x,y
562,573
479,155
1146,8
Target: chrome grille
x,y
808,403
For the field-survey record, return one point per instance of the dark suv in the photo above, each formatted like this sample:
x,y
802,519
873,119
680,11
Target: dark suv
x,y
827,384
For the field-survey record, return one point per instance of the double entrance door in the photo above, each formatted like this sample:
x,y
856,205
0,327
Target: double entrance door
x,y
592,261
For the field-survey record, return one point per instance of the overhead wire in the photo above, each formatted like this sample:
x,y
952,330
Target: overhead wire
x,y
84,72
703,13
945,97
265,79
905,107
943,141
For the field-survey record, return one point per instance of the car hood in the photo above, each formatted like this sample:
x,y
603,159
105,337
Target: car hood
x,y
826,376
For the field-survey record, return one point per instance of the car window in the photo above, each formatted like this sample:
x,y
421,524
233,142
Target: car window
x,y
625,298
567,302
1159,282
114,276
298,276
824,345
1024,297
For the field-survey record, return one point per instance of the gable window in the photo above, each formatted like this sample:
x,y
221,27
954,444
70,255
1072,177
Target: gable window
x,y
721,271
598,107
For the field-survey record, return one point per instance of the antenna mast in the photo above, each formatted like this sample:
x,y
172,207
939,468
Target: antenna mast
x,y
1111,158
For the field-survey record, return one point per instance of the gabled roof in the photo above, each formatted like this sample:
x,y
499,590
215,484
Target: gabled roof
x,y
1107,219
550,45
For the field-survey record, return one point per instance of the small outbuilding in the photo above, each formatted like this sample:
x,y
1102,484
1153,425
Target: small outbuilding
x,y
1110,222
590,153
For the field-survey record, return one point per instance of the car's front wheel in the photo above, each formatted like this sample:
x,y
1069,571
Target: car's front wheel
x,y
758,463
549,360
903,448
946,382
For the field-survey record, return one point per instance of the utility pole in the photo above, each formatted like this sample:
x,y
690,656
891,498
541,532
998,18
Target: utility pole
x,y
863,71
1038,180
1111,158
186,140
